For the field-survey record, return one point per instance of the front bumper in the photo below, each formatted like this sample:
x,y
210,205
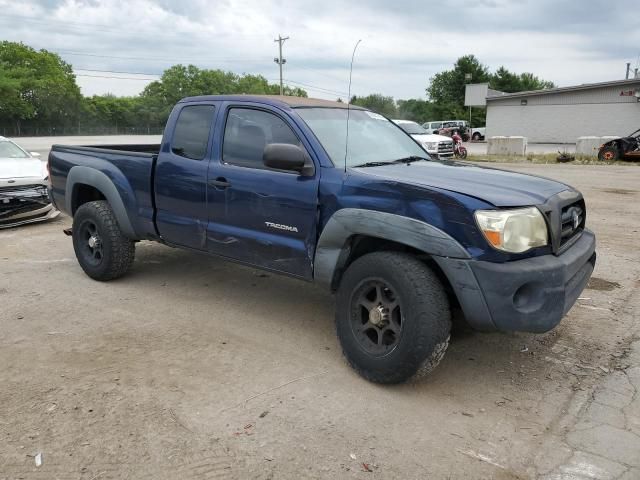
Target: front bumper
x,y
530,295
23,204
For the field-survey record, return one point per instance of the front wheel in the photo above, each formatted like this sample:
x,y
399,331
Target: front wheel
x,y
102,250
393,319
608,154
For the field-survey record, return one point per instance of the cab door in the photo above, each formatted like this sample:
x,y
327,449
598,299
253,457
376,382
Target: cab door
x,y
180,180
257,215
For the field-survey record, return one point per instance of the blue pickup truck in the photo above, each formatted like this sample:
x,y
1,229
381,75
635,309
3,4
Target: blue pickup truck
x,y
281,184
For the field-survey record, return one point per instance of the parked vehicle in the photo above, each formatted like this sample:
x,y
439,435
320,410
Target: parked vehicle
x,y
23,187
447,127
621,148
478,133
459,151
437,145
432,127
401,239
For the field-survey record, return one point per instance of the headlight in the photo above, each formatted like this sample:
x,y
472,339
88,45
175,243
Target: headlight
x,y
514,231
430,145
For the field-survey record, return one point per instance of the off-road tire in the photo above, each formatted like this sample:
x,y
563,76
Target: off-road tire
x,y
426,317
608,154
476,137
118,251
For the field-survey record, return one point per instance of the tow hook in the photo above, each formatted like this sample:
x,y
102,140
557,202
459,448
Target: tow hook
x,y
68,232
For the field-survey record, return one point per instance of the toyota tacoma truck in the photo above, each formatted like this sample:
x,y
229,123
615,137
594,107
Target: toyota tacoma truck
x,y
280,184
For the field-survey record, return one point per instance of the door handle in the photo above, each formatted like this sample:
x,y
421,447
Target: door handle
x,y
219,182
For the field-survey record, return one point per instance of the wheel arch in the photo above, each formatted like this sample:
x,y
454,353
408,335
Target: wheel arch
x,y
351,233
86,184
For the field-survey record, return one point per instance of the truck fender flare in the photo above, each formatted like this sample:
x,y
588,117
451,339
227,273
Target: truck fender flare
x,y
333,246
99,180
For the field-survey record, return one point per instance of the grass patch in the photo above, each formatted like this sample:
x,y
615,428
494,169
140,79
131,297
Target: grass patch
x,y
544,158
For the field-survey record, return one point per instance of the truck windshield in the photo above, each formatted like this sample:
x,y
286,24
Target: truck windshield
x,y
372,138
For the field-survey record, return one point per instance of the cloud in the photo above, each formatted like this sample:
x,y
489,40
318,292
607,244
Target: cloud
x,y
405,42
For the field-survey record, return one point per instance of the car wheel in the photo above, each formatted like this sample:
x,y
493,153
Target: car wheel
x,y
608,154
102,250
476,137
393,318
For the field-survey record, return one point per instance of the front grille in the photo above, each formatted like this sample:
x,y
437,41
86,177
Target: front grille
x,y
18,200
566,218
572,219
445,148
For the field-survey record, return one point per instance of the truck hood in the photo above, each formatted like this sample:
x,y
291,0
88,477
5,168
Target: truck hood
x,y
498,187
429,137
21,168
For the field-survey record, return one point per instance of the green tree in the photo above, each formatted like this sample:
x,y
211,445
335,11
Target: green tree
x,y
181,81
446,89
378,103
417,110
37,88
506,81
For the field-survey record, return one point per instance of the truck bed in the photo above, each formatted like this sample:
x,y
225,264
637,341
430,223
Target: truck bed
x,y
129,167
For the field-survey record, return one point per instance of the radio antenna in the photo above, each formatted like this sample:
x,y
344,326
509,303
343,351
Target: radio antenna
x,y
346,144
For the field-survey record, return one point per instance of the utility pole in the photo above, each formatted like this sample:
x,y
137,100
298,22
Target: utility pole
x,y
279,60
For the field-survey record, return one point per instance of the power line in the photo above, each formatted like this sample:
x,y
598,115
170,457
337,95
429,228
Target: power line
x,y
115,78
121,72
112,71
117,57
316,87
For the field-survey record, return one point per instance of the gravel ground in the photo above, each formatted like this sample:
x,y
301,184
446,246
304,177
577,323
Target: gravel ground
x,y
191,367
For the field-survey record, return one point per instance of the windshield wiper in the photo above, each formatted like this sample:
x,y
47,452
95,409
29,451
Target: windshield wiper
x,y
372,164
410,159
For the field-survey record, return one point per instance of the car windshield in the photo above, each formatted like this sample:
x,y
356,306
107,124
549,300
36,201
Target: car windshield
x,y
11,150
412,128
372,138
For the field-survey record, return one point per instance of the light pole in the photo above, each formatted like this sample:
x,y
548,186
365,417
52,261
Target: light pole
x,y
279,60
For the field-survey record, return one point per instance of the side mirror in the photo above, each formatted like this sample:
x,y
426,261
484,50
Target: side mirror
x,y
34,154
284,156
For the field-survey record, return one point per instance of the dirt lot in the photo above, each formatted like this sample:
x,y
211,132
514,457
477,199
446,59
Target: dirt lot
x,y
191,367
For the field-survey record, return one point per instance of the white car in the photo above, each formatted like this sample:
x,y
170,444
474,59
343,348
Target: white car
x,y
437,145
477,133
23,187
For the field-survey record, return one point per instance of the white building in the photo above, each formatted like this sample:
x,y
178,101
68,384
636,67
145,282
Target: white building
x,y
561,115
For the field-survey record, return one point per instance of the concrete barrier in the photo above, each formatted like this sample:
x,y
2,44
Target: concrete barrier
x,y
589,146
507,146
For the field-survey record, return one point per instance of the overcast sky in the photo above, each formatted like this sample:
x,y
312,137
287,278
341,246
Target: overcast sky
x,y
404,42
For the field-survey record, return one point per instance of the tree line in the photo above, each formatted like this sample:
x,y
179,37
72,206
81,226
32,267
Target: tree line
x,y
445,93
39,95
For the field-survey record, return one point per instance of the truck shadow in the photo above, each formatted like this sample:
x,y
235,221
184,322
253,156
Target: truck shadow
x,y
304,313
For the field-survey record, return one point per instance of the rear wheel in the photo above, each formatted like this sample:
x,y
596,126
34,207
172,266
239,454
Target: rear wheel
x,y
476,137
393,318
608,154
102,250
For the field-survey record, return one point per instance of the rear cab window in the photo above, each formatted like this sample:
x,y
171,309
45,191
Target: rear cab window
x,y
191,134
